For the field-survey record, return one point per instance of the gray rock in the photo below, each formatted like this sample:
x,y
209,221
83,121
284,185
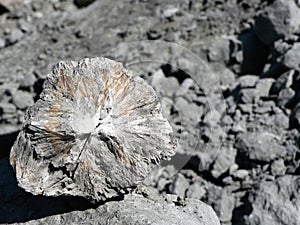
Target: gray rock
x,y
22,99
278,168
14,36
248,95
262,146
219,51
246,108
164,86
223,161
276,202
264,86
135,209
179,186
95,132
278,20
2,43
295,117
291,58
196,191
212,118
248,81
226,206
284,81
240,174
285,96
281,121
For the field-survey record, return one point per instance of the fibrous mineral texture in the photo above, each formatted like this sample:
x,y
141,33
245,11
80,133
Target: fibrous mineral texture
x,y
95,132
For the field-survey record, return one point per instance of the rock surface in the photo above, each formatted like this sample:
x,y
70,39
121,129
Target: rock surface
x,y
95,132
136,209
282,208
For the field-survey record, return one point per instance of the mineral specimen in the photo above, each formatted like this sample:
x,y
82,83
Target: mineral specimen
x,y
95,132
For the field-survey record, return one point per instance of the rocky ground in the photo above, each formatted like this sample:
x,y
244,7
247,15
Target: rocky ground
x,y
228,76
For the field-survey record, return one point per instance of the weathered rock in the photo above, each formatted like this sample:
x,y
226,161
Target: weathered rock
x,y
14,36
284,81
262,146
264,86
223,161
226,206
285,96
136,209
276,202
95,132
292,57
179,186
280,19
248,81
22,99
278,167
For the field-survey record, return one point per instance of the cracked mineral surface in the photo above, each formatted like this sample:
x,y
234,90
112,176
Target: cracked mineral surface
x,y
95,132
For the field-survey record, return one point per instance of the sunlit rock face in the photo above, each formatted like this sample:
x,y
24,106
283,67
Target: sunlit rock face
x,y
95,132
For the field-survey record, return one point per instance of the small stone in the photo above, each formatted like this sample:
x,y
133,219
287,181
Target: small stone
x,y
295,117
281,121
179,186
248,81
22,99
291,59
264,86
219,51
285,96
240,174
277,167
212,118
248,95
196,191
14,36
246,108
7,108
227,180
2,43
164,86
226,206
284,81
223,161
234,167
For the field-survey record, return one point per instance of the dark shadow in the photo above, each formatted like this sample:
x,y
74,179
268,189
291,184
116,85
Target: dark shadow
x,y
245,209
7,142
3,9
255,53
16,205
179,74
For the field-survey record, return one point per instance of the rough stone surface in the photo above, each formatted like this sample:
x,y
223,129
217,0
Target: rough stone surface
x,y
292,57
279,208
136,209
92,133
260,146
280,19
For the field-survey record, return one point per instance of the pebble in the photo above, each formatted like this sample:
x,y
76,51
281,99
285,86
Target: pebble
x,y
22,99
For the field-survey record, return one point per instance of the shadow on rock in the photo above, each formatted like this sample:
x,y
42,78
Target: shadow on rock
x,y
16,205
7,142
